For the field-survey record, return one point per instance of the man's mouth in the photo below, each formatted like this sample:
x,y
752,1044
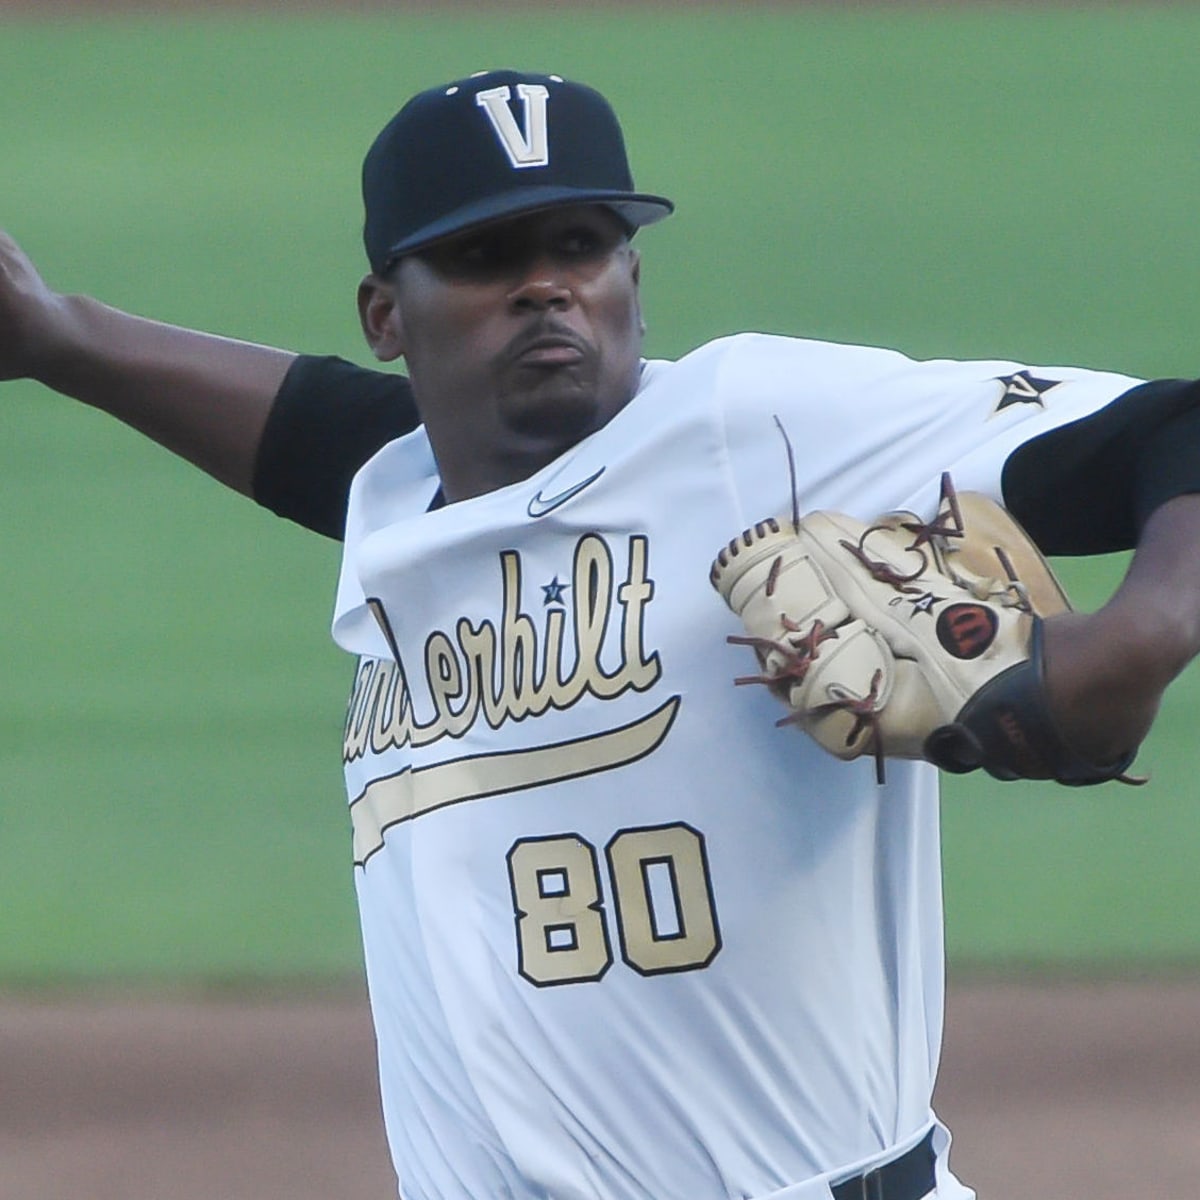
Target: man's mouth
x,y
557,349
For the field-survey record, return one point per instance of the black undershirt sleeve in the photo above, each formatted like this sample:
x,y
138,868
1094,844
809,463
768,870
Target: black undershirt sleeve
x,y
328,418
1088,487
1084,488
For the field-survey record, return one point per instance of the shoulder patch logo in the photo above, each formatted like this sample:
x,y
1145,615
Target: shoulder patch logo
x,y
1023,388
528,147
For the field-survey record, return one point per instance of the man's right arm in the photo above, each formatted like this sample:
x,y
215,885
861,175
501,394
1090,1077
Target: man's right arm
x,y
286,431
205,398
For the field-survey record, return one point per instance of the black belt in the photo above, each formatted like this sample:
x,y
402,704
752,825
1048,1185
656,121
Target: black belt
x,y
908,1177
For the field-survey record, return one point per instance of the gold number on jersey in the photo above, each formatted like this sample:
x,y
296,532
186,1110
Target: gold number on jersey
x,y
665,911
561,936
664,907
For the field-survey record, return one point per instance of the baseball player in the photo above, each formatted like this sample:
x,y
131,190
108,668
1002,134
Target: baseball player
x,y
624,937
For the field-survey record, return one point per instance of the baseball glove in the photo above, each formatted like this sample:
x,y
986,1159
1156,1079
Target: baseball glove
x,y
906,639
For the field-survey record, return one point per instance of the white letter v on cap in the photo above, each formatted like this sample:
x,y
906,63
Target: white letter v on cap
x,y
530,148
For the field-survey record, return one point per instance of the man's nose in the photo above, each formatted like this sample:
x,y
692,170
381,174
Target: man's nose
x,y
541,288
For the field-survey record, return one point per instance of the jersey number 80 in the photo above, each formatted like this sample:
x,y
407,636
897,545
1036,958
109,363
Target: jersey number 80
x,y
662,904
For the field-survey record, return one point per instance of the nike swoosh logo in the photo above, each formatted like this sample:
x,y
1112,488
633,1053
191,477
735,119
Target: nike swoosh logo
x,y
540,505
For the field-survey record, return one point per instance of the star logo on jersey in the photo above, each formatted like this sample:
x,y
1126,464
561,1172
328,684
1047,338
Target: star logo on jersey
x,y
1023,388
552,592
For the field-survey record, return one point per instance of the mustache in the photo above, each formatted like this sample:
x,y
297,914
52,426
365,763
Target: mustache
x,y
546,333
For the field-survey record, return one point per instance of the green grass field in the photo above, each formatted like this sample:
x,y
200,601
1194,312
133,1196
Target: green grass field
x,y
1003,183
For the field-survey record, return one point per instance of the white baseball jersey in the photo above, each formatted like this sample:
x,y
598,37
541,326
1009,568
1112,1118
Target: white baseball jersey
x,y
625,938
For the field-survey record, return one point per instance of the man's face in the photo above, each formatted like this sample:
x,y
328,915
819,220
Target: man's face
x,y
520,337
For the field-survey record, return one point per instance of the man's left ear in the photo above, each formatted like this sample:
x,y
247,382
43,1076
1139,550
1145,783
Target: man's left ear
x,y
379,315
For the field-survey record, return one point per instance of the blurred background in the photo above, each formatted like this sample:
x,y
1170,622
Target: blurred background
x,y
951,181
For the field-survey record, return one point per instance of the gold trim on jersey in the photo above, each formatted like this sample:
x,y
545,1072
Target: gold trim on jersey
x,y
415,791
589,644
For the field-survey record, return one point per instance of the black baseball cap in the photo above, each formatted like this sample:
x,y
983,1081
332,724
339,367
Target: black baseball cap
x,y
490,146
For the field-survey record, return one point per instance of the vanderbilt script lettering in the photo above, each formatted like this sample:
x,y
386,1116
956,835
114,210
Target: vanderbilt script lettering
x,y
514,667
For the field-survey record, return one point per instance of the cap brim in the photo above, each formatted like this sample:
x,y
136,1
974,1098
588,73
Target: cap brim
x,y
636,208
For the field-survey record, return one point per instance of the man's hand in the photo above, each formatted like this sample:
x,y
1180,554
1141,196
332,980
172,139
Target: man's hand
x,y
204,397
1106,672
32,317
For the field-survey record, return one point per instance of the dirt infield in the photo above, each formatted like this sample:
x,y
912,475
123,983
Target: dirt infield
x,y
1089,1090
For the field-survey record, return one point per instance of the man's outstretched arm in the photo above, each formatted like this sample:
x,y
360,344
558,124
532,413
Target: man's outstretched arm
x,y
206,398
1106,671
1126,477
